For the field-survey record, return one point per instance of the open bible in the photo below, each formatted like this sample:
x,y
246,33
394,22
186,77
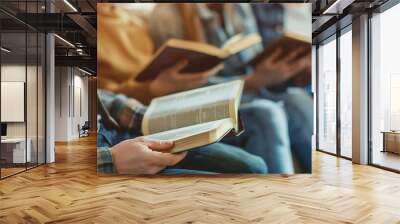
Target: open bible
x,y
199,56
195,118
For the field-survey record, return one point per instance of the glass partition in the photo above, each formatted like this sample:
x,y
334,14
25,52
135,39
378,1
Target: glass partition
x,y
385,89
41,97
346,93
22,91
31,97
14,153
327,96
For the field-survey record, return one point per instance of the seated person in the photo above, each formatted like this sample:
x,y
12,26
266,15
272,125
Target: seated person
x,y
219,23
118,31
121,150
273,144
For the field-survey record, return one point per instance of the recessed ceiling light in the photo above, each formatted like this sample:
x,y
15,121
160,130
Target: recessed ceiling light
x,y
65,41
70,5
337,7
5,50
84,71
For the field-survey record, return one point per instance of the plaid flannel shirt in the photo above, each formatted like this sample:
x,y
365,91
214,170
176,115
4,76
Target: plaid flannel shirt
x,y
127,114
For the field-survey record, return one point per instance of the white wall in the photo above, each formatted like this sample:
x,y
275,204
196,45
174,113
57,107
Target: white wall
x,y
33,126
71,93
297,18
61,104
14,73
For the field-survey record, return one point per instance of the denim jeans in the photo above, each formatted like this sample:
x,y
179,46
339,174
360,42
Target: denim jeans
x,y
209,159
298,106
266,134
222,158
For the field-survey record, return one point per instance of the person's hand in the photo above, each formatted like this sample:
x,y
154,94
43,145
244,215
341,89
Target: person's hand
x,y
171,80
272,71
143,156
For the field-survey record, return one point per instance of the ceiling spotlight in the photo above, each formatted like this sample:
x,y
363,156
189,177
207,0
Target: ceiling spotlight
x,y
70,5
84,71
5,50
337,7
65,41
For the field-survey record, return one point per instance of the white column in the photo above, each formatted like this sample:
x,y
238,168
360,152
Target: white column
x,y
50,100
360,90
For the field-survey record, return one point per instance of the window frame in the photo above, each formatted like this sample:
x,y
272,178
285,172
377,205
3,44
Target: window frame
x,y
334,37
379,10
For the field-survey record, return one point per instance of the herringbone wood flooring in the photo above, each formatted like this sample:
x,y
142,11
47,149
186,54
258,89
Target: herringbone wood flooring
x,y
69,191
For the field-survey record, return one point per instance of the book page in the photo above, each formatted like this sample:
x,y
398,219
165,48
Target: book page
x,y
191,107
185,132
196,135
241,42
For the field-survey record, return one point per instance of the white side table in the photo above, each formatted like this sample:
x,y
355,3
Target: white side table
x,y
18,149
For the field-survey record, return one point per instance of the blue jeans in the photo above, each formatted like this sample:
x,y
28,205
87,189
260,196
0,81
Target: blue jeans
x,y
222,158
298,106
210,159
266,134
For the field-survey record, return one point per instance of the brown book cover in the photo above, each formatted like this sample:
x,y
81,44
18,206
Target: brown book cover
x,y
199,56
288,43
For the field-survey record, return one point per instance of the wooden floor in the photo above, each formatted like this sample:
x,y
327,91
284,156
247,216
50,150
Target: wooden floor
x,y
69,191
10,171
387,159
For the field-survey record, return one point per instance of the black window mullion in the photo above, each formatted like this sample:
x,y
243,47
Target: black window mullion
x,y
338,100
0,95
317,96
26,87
369,100
37,90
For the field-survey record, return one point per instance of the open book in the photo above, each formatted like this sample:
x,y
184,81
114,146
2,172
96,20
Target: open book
x,y
200,56
288,43
194,118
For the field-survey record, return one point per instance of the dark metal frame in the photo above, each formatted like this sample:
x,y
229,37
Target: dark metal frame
x,y
340,31
338,98
387,5
44,76
317,92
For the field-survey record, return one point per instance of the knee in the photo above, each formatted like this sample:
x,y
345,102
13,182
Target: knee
x,y
251,164
300,106
225,158
265,112
257,166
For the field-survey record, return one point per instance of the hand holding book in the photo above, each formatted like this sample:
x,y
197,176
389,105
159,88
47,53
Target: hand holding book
x,y
144,156
284,62
172,80
196,117
200,57
275,69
